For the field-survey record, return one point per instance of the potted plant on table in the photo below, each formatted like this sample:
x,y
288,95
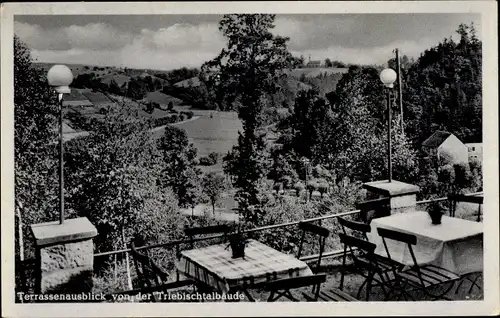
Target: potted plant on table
x,y
436,213
238,240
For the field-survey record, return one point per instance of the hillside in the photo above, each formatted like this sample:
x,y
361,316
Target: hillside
x,y
212,132
78,69
162,99
191,82
313,72
120,79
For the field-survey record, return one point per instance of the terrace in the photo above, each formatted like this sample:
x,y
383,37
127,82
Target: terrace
x,y
166,255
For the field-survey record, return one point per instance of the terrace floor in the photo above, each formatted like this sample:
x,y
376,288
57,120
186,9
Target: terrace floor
x,y
352,282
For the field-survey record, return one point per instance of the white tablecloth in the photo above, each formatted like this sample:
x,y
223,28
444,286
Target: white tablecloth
x,y
214,266
455,244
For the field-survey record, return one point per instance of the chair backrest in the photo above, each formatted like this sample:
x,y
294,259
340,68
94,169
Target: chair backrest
x,y
283,286
366,248
321,232
454,198
148,273
360,227
466,198
372,209
192,232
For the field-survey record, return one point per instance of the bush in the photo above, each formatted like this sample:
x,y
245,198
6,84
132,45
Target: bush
x,y
170,106
312,186
323,188
214,157
278,186
299,187
287,182
287,239
205,161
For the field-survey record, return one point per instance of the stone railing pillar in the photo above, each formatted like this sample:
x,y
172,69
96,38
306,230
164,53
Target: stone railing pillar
x,y
64,256
402,196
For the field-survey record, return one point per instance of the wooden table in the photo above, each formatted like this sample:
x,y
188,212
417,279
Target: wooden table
x,y
214,266
455,244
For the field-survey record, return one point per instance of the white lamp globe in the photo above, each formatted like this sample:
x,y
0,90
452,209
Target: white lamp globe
x,y
388,77
59,77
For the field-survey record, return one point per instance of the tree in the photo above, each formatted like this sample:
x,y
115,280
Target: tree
x,y
136,89
114,88
328,62
179,170
444,89
213,187
311,126
246,73
35,140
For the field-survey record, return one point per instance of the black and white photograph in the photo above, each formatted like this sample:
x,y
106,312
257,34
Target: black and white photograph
x,y
170,158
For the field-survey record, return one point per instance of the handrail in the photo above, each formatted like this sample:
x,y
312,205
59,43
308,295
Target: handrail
x,y
257,229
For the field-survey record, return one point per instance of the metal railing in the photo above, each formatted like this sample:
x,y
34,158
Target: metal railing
x,y
333,253
259,229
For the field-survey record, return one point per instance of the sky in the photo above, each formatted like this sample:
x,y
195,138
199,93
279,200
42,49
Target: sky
x,y
173,41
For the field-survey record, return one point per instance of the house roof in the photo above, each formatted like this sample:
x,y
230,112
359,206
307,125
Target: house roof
x,y
436,139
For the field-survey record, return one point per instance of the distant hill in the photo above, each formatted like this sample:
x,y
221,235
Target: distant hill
x,y
294,83
190,82
78,69
313,72
120,79
162,99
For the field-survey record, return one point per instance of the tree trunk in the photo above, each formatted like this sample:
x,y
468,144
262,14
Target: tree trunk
x,y
20,230
116,268
213,208
129,278
20,267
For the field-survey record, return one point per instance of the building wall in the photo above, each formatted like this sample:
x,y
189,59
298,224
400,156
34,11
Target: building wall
x,y
475,151
455,148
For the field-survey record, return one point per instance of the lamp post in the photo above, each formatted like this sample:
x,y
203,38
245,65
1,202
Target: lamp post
x,y
59,77
388,77
306,165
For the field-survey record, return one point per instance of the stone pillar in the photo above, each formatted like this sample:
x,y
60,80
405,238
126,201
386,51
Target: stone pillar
x,y
65,256
402,196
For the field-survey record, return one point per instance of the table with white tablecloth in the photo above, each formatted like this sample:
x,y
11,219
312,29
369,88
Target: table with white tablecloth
x,y
455,244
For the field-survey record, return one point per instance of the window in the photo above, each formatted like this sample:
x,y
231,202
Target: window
x,y
473,148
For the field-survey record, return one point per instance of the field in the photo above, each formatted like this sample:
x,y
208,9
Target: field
x,y
211,132
162,99
96,98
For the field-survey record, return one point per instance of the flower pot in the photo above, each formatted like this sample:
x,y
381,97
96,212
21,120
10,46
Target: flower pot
x,y
237,247
436,218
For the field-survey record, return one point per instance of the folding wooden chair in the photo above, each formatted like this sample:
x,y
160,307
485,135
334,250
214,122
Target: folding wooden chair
x,y
455,198
321,233
283,287
416,277
151,277
193,232
366,264
359,229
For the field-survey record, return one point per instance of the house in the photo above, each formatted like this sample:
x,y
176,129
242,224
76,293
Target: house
x,y
313,64
475,151
444,144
